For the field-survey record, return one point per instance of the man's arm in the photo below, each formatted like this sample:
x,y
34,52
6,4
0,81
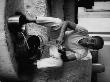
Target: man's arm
x,y
62,32
72,26
81,30
77,28
51,21
48,21
65,25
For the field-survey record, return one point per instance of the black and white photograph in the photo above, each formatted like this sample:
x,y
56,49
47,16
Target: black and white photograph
x,y
54,40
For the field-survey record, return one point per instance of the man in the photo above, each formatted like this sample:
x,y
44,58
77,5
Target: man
x,y
54,27
56,32
77,42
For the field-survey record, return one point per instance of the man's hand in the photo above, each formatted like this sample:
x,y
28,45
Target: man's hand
x,y
30,16
59,41
81,30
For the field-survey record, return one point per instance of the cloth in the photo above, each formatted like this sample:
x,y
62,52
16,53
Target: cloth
x,y
53,26
86,56
72,45
50,22
49,62
53,61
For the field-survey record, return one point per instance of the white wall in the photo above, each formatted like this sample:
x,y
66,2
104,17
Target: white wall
x,y
99,22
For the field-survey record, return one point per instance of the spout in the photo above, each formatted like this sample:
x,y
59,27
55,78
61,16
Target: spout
x,y
19,19
14,19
